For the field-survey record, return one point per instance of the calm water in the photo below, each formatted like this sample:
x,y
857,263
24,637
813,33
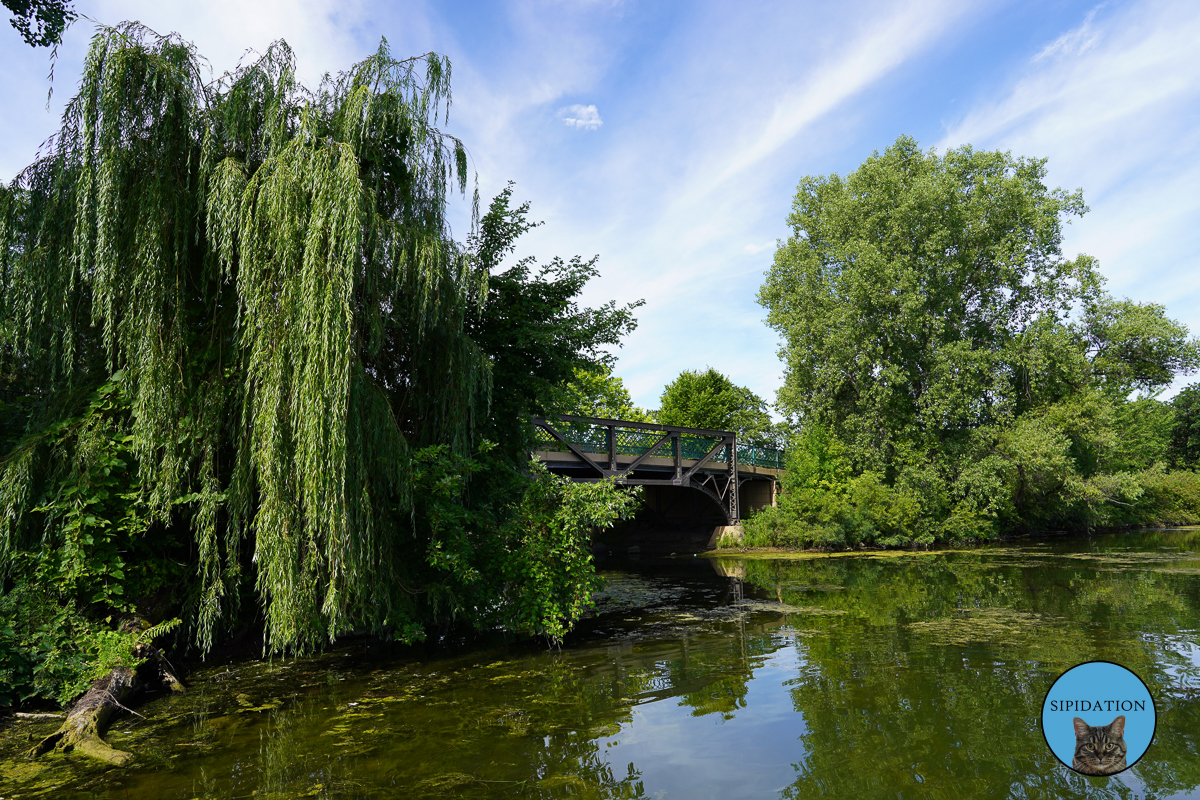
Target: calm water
x,y
856,676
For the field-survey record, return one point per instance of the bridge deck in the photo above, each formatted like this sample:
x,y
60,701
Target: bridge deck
x,y
563,457
591,436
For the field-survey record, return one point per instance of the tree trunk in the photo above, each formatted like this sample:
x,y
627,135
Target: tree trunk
x,y
89,717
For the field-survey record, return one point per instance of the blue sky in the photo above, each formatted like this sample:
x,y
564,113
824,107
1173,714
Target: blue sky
x,y
668,138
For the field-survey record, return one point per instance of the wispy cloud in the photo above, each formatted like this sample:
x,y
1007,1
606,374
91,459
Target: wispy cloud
x,y
716,120
1074,42
586,117
1111,104
890,40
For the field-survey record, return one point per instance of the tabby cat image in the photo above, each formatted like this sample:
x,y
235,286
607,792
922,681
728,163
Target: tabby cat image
x,y
1099,750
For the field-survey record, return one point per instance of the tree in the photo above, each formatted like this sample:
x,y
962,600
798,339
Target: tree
x,y
1134,346
933,327
41,22
533,331
265,272
251,341
598,393
904,286
1185,432
710,400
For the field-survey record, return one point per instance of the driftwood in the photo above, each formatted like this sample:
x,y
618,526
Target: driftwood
x,y
87,720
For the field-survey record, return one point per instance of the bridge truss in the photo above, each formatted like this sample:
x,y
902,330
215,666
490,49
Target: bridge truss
x,y
646,454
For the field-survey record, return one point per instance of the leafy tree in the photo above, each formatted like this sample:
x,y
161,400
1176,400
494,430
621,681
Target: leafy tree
x,y
933,327
243,322
710,400
1185,433
1134,346
532,329
904,286
268,267
41,22
599,393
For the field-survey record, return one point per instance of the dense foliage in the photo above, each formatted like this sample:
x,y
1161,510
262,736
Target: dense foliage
x,y
253,375
952,373
598,393
41,22
538,339
710,400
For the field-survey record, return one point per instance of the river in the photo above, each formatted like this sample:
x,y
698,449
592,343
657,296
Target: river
x,y
859,675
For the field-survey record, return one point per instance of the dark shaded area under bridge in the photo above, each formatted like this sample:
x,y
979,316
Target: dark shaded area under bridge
x,y
694,480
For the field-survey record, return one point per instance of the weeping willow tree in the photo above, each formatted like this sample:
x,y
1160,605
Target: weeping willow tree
x,y
235,310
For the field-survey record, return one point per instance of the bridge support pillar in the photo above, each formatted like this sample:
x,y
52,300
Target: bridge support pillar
x,y
726,536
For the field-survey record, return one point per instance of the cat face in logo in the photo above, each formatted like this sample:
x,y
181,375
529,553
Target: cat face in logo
x,y
1099,750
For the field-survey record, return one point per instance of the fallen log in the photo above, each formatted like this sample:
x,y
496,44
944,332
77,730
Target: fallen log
x,y
88,718
83,729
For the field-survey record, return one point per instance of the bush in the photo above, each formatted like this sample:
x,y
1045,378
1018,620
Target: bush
x,y
50,649
860,510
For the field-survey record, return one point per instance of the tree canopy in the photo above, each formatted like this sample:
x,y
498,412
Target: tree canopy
x,y
537,337
937,339
596,392
41,23
710,400
235,318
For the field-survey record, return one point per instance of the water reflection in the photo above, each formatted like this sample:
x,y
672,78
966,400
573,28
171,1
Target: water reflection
x,y
910,675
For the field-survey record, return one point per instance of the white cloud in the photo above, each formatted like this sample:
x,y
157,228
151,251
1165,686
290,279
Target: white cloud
x,y
864,59
758,248
1114,113
586,117
1073,42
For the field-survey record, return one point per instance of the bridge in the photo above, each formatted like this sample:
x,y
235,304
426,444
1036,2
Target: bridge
x,y
737,477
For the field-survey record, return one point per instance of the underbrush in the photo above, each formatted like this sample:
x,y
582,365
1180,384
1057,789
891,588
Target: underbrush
x,y
865,512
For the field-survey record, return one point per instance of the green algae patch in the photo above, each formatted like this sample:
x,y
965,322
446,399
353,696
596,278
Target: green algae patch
x,y
573,783
772,554
624,592
787,608
767,554
13,771
449,780
812,587
989,625
1152,560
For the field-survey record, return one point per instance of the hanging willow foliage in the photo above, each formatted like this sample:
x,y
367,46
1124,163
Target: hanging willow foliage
x,y
267,273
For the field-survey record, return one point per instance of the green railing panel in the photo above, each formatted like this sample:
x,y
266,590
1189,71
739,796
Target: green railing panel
x,y
696,447
635,442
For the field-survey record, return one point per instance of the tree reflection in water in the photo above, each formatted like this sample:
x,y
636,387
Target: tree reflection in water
x,y
931,682
858,676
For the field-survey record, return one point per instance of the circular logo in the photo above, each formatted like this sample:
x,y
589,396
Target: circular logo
x,y
1098,718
